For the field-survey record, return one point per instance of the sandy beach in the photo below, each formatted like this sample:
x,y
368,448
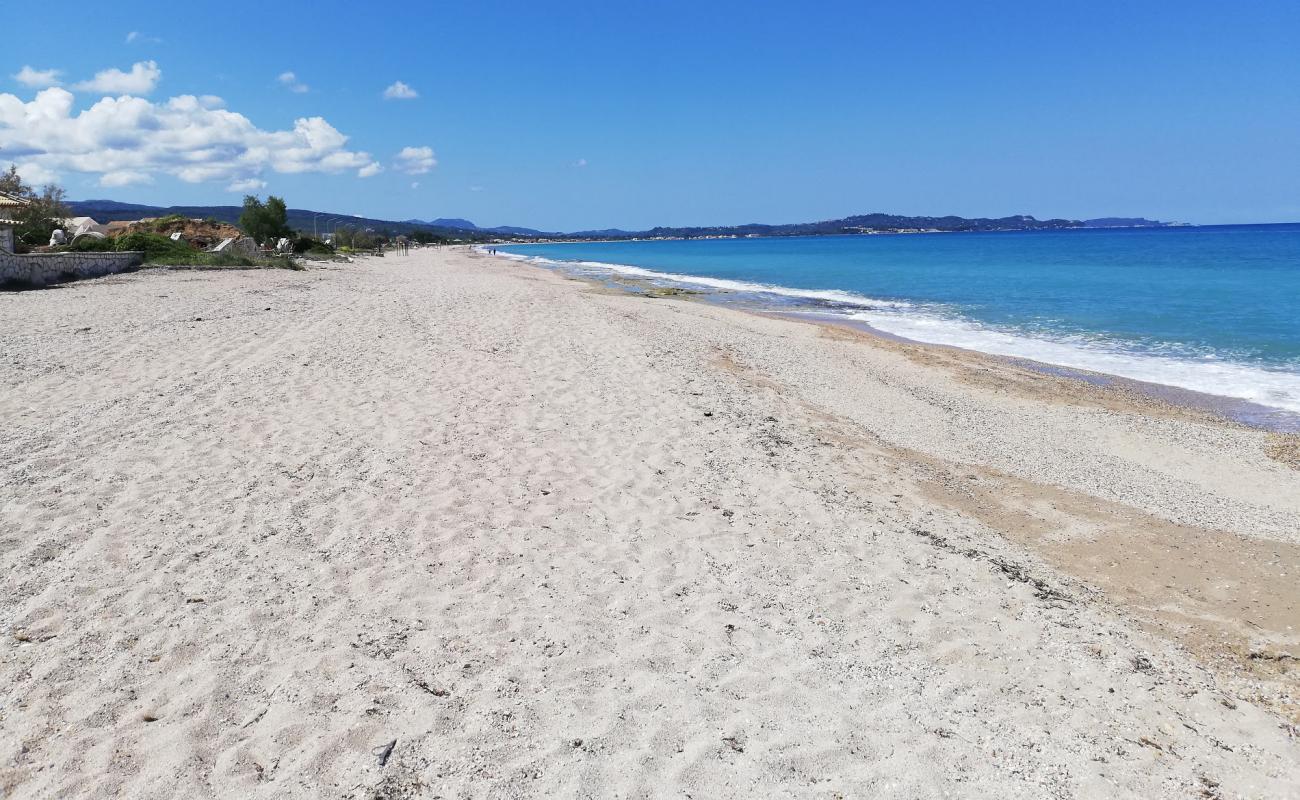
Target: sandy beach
x,y
449,525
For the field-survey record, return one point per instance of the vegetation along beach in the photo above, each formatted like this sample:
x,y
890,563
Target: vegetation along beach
x,y
707,417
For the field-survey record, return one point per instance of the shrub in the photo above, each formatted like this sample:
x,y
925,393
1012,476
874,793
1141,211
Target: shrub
x,y
203,260
306,244
154,246
169,221
200,259
90,244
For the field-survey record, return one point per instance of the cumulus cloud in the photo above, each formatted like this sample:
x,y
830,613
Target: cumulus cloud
x,y
37,78
400,91
370,170
415,184
124,177
415,160
34,174
142,79
248,185
291,82
129,139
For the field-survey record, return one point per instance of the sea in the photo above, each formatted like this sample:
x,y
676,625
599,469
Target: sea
x,y
1212,310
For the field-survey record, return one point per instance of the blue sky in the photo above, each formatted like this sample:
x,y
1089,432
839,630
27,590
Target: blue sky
x,y
565,115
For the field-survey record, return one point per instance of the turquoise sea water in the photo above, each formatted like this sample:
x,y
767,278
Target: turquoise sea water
x,y
1211,309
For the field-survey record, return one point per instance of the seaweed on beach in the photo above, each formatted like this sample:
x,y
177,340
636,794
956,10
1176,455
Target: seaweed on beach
x,y
1016,572
667,291
1284,448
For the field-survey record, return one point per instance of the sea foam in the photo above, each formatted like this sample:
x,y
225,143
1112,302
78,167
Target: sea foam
x,y
1276,389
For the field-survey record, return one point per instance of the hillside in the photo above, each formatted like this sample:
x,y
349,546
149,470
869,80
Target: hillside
x,y
300,219
872,223
465,225
457,228
1127,222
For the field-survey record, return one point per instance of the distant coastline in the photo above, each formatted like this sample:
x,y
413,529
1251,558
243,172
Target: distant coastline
x,y
457,229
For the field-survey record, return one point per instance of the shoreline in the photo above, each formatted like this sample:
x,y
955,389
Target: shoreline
x,y
455,524
1219,408
1084,387
1228,409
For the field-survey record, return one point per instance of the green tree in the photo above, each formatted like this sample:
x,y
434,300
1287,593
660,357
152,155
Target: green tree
x,y
354,237
265,221
278,216
11,183
42,213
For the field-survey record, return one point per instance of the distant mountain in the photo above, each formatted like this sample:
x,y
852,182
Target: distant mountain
x,y
868,223
1125,222
452,222
300,219
457,228
510,230
607,233
111,206
465,225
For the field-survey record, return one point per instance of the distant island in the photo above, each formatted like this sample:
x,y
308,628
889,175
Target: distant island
x,y
1129,222
457,229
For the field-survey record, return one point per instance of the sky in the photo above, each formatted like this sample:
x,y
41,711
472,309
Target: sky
x,y
585,115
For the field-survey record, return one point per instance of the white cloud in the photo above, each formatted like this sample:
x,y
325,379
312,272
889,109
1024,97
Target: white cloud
x,y
476,188
136,37
248,185
127,139
124,177
291,82
400,91
370,170
582,162
415,160
34,174
37,78
142,79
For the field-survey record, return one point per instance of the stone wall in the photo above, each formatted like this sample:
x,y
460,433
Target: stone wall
x,y
40,269
6,239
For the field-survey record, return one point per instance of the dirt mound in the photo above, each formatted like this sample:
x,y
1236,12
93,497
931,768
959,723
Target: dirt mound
x,y
201,234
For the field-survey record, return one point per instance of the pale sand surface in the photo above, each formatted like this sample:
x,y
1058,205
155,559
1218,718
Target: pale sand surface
x,y
555,541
